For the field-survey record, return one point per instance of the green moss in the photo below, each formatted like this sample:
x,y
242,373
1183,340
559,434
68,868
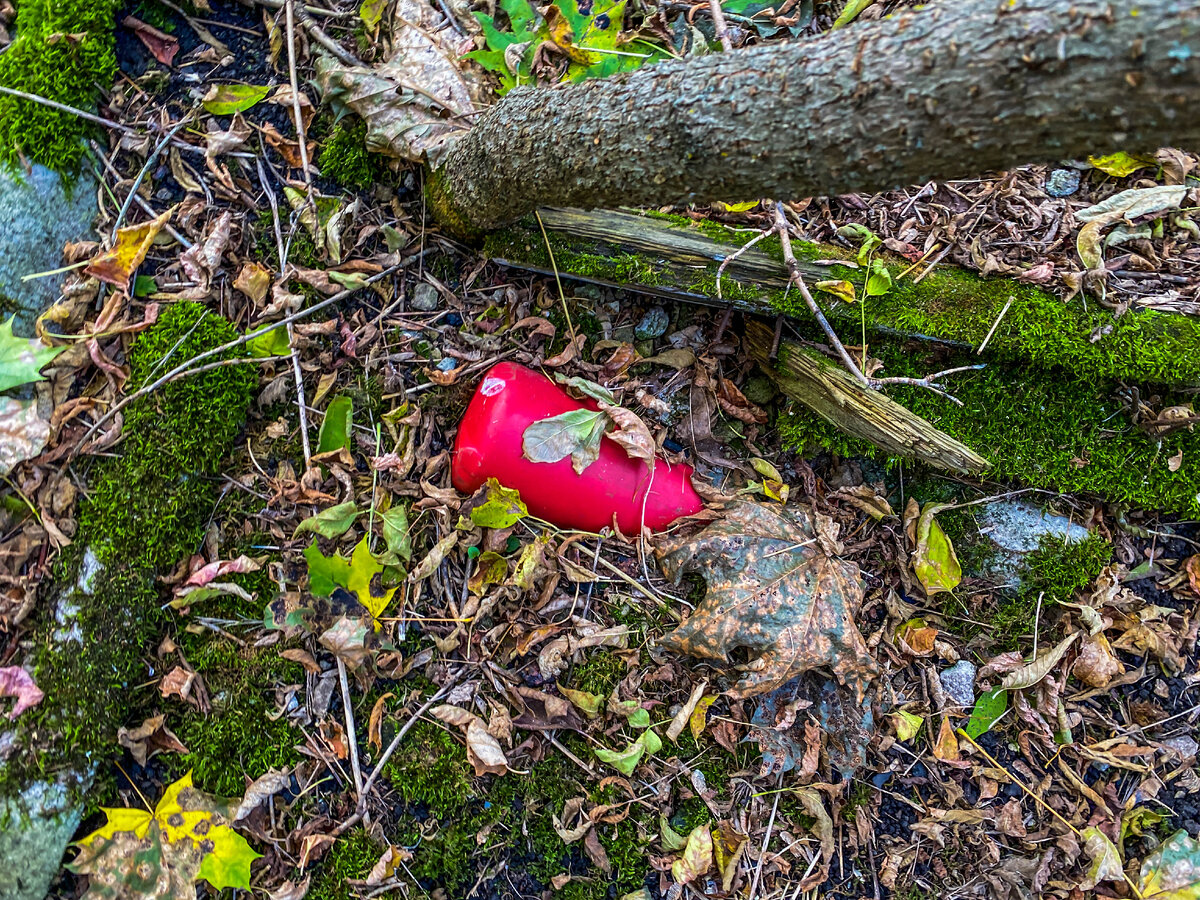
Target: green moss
x,y
351,857
600,673
150,505
237,739
63,51
1060,568
345,159
431,769
147,510
1048,430
950,304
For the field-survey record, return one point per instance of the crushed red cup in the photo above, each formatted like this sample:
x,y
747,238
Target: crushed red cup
x,y
509,399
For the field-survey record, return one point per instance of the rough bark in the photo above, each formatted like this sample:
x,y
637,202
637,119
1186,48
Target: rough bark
x,y
947,91
833,394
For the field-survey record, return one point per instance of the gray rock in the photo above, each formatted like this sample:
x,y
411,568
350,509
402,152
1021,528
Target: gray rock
x,y
425,297
35,828
1062,183
1019,527
654,324
959,683
40,214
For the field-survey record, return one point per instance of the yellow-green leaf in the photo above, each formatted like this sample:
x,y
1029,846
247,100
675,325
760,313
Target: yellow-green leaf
x,y
736,207
117,264
501,508
371,12
907,724
332,522
587,703
490,568
1120,164
843,290
699,717
850,12
21,359
697,856
934,561
227,99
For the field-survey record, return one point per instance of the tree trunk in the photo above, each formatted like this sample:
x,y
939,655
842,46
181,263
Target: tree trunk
x,y
946,91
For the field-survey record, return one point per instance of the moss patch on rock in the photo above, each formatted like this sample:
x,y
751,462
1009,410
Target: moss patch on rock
x,y
147,510
63,51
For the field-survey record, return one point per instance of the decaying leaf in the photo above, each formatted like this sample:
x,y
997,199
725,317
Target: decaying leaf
x,y
23,433
1097,664
1173,871
697,856
576,433
1029,675
117,264
500,507
161,45
141,855
357,575
417,102
773,590
1106,861
933,560
484,752
149,739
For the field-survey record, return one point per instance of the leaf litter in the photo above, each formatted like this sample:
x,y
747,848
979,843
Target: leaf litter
x,y
767,716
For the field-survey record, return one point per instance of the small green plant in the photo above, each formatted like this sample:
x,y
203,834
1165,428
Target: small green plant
x,y
588,32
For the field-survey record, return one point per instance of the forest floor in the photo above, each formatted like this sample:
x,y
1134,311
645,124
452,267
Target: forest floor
x,y
541,738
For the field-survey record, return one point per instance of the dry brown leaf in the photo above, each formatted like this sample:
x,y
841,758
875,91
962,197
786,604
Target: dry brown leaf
x,y
773,591
23,433
161,45
417,103
1097,665
631,433
150,738
253,280
483,750
375,723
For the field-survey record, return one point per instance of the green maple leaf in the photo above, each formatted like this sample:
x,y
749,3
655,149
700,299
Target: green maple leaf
x,y
354,574
21,359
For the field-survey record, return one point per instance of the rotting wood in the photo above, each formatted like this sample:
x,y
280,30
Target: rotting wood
x,y
832,393
676,259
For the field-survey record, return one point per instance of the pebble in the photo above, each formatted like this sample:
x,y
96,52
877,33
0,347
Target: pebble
x,y
447,364
654,324
425,297
1062,182
959,683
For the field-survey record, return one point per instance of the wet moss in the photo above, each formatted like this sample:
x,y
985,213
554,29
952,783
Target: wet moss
x,y
351,857
149,506
345,158
63,51
950,304
1049,430
237,739
1059,568
431,770
600,673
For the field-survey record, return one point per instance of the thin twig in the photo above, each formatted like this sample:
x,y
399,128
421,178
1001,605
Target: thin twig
x,y
186,367
297,113
141,175
796,278
305,14
351,732
762,853
62,107
719,26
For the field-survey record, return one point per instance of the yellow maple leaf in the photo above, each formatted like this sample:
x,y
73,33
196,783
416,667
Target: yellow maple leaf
x,y
117,264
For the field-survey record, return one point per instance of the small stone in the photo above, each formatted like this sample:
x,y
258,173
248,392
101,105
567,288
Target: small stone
x,y
654,324
447,364
1062,182
425,298
959,683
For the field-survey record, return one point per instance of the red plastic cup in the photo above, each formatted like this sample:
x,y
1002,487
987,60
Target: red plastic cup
x,y
508,400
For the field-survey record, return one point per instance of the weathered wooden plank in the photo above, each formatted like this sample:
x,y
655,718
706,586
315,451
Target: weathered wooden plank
x,y
832,393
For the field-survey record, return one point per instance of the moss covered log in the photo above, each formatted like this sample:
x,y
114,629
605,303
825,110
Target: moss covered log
x,y
64,51
674,257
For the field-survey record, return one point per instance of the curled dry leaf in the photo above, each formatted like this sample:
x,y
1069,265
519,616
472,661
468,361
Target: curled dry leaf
x,y
261,789
1028,676
117,264
1097,665
417,102
149,739
773,591
484,752
631,433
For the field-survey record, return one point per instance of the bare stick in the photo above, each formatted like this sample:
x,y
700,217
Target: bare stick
x,y
304,14
796,278
141,175
297,113
351,732
187,367
719,26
